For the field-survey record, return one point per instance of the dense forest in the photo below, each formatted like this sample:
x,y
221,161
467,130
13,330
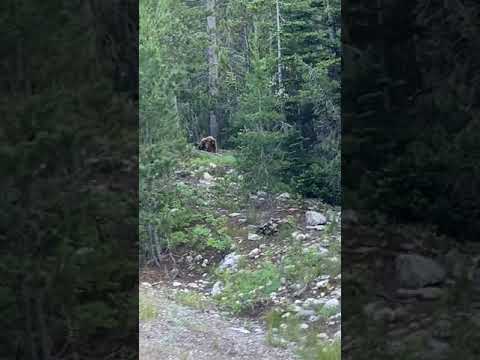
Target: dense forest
x,y
262,77
254,228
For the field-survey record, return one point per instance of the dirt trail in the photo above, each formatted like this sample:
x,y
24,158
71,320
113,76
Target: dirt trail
x,y
181,333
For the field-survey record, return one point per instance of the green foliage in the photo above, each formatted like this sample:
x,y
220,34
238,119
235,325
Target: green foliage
x,y
261,158
247,289
321,178
204,159
316,350
170,53
257,114
284,329
147,309
192,299
302,266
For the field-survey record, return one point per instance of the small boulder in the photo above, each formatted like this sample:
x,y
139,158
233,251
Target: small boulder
x,y
207,177
255,252
217,288
283,196
416,271
332,304
254,237
230,262
313,218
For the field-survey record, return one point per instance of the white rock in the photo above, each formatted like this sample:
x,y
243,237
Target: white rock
x,y
302,237
254,237
207,177
321,284
322,336
242,330
332,304
306,313
230,262
322,251
283,196
254,252
313,218
217,288
315,227
177,284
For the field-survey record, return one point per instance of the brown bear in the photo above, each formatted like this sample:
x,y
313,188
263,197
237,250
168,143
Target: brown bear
x,y
208,144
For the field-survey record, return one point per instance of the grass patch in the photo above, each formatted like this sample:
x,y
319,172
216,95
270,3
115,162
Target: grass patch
x,y
303,266
283,329
193,300
146,308
247,289
280,329
203,158
326,312
317,350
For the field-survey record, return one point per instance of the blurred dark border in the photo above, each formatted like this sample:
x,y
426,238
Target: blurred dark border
x,y
69,184
410,174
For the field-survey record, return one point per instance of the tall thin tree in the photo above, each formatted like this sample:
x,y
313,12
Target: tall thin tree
x,y
212,67
279,48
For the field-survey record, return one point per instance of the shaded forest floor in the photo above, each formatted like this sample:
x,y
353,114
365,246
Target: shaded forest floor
x,y
267,286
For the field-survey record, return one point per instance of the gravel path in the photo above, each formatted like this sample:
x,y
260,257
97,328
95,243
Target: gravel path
x,y
180,333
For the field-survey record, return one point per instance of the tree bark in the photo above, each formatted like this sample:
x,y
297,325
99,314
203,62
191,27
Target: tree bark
x,y
279,48
212,67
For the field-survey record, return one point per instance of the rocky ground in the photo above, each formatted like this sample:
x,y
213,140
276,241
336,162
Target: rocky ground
x,y
265,228
180,332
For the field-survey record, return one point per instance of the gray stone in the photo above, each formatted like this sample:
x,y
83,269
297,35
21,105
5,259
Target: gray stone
x,y
217,288
254,237
207,177
283,196
315,227
427,293
254,252
416,271
230,262
313,218
332,304
305,313
439,349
